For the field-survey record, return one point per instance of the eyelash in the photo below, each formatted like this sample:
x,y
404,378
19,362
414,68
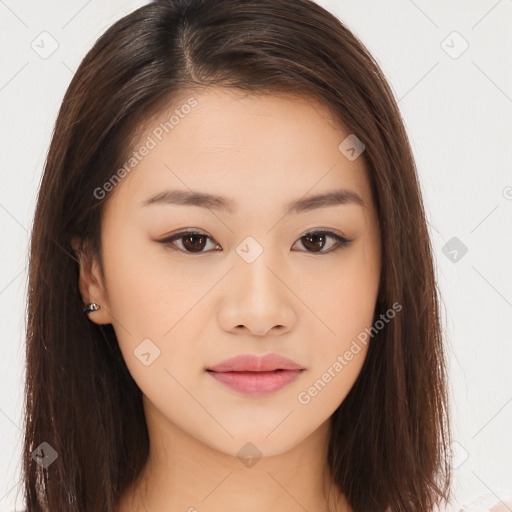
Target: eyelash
x,y
342,242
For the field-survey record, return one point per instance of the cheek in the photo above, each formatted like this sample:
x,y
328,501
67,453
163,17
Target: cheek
x,y
133,296
144,289
150,300
331,380
337,359
344,294
346,307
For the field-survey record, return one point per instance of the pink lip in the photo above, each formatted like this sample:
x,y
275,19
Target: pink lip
x,y
251,363
256,375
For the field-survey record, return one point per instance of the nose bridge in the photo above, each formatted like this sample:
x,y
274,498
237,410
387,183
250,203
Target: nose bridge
x,y
255,273
256,295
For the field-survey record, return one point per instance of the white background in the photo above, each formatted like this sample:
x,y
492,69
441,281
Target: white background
x,y
458,114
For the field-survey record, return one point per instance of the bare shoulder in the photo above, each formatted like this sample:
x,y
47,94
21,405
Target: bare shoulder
x,y
503,506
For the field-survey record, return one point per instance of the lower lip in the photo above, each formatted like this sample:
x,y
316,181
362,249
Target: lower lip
x,y
256,383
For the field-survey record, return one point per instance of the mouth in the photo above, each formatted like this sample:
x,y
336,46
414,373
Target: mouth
x,y
256,383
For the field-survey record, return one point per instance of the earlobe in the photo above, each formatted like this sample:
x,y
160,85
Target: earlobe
x,y
91,285
89,308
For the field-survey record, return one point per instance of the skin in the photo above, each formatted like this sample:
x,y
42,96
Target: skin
x,y
201,309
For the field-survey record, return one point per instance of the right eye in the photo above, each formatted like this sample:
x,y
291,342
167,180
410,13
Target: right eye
x,y
191,241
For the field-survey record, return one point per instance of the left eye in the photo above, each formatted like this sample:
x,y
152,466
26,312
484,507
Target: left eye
x,y
195,241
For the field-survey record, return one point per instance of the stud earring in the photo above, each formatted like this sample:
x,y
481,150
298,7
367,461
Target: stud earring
x,y
91,307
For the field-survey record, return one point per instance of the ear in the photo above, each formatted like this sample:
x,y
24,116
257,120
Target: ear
x,y
90,283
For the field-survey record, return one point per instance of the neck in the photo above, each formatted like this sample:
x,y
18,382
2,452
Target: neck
x,y
182,473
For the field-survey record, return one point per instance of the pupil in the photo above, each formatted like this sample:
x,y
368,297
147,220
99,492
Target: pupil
x,y
196,245
315,237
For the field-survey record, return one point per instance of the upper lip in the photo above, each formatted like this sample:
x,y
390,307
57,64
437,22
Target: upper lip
x,y
253,363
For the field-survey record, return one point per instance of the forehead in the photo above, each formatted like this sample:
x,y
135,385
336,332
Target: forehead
x,y
245,146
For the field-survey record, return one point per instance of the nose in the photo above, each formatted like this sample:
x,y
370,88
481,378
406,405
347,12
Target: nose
x,y
258,298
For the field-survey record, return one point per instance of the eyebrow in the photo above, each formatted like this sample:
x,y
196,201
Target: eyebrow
x,y
216,202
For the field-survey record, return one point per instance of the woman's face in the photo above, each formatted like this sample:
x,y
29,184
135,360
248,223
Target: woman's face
x,y
253,281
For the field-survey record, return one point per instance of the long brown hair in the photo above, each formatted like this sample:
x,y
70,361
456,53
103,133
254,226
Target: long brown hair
x,y
390,436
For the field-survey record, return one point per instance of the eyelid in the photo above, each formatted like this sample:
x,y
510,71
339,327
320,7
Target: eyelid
x,y
341,240
180,234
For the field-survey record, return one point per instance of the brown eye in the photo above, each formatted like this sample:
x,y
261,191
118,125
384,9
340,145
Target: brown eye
x,y
316,241
194,243
191,241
